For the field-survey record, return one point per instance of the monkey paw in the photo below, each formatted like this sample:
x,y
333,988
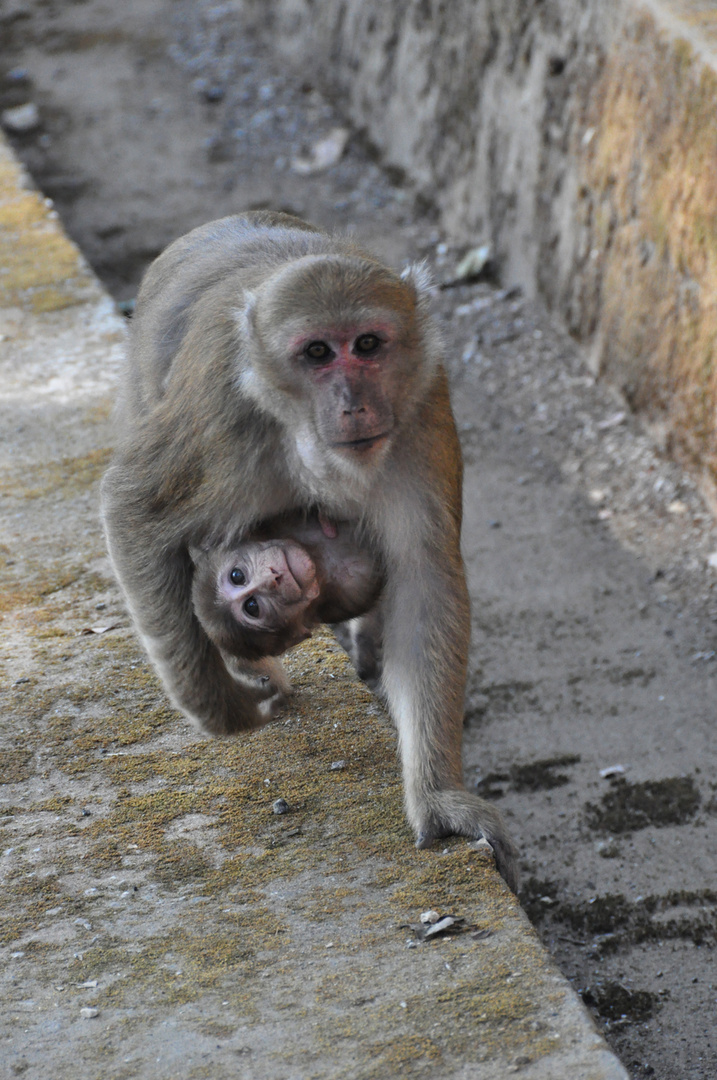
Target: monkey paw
x,y
458,812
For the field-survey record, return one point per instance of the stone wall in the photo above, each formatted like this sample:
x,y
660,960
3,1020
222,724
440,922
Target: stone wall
x,y
579,138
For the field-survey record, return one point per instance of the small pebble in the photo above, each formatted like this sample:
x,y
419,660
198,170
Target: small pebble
x,y
612,770
22,119
336,765
280,806
429,917
89,1014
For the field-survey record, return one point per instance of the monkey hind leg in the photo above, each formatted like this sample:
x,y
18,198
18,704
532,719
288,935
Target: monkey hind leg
x,y
266,680
446,813
361,638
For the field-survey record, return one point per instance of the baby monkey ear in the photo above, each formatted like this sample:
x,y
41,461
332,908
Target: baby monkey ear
x,y
245,316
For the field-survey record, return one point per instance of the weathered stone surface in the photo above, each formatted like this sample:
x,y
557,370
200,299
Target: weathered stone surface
x,y
580,139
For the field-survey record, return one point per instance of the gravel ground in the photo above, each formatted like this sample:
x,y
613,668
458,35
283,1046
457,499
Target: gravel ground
x,y
594,603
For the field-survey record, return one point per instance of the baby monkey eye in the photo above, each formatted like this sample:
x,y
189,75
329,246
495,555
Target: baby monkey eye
x,y
366,343
250,607
237,576
318,351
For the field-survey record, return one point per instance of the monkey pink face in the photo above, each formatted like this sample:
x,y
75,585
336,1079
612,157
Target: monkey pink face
x,y
347,369
343,347
269,586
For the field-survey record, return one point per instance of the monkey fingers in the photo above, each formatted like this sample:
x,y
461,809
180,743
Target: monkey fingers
x,y
459,812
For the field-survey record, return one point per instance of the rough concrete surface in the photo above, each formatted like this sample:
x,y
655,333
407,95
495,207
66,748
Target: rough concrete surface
x,y
594,643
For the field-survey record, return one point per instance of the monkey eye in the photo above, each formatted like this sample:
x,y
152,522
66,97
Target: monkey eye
x,y
250,607
318,352
237,576
366,343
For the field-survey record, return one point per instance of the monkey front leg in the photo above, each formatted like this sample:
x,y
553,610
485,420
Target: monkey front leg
x,y
425,648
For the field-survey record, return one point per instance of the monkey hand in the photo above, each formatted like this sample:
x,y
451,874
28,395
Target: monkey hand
x,y
457,811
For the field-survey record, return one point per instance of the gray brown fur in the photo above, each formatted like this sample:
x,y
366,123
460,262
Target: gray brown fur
x,y
219,431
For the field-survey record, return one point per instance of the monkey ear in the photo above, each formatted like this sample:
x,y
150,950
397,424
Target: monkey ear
x,y
245,316
420,276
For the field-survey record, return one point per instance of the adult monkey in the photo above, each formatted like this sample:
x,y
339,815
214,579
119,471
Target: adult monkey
x,y
274,368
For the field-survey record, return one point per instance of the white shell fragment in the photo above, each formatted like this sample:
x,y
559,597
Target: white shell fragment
x,y
441,926
473,264
430,917
612,421
324,153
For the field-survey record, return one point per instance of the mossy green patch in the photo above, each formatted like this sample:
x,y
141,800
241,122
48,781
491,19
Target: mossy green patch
x,y
69,475
175,968
16,764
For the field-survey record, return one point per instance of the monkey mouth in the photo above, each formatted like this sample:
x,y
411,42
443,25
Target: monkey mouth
x,y
362,445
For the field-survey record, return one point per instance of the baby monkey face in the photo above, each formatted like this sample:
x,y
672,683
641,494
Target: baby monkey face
x,y
268,586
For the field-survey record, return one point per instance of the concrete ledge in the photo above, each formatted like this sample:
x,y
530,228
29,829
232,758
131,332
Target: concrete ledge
x,y
40,269
158,918
579,139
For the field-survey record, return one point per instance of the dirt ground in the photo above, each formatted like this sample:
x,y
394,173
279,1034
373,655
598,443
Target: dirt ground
x,y
594,605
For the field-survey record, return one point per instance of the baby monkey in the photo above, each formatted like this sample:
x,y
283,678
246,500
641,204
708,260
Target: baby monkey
x,y
261,596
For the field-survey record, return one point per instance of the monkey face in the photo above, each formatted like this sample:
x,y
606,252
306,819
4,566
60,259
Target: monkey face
x,y
345,373
268,587
340,355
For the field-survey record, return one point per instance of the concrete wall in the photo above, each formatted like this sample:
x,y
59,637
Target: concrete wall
x,y
579,137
